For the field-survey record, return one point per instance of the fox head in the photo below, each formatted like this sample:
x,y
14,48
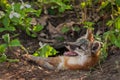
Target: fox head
x,y
85,45
88,49
82,42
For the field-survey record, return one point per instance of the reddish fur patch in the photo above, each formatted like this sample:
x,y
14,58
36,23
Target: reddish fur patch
x,y
92,60
90,37
72,66
54,61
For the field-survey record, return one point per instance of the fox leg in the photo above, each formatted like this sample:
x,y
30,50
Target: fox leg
x,y
39,60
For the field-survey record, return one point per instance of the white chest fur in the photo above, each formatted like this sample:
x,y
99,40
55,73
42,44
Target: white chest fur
x,y
79,60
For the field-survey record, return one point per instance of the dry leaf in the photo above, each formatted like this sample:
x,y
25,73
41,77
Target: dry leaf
x,y
43,20
67,24
52,29
33,21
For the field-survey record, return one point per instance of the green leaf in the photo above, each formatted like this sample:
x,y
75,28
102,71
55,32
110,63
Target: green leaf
x,y
36,54
53,51
34,35
3,58
112,38
51,11
83,4
117,2
60,38
38,12
110,23
15,20
104,4
3,47
64,7
45,51
7,29
89,24
15,42
37,28
6,38
117,23
76,28
104,52
13,60
10,28
30,10
2,29
17,7
65,29
61,9
28,31
117,42
6,21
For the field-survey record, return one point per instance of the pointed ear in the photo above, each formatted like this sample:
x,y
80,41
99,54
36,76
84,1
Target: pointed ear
x,y
89,35
95,48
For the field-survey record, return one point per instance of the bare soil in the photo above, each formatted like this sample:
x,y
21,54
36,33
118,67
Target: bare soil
x,y
109,69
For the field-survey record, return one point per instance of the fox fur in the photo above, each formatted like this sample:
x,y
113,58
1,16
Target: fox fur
x,y
87,56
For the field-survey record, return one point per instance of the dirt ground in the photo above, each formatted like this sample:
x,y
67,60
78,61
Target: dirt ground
x,y
22,70
109,69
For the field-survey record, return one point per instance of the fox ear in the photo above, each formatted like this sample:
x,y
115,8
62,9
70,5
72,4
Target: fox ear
x,y
95,48
89,35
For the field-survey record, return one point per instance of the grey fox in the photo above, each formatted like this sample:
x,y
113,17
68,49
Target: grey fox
x,y
86,55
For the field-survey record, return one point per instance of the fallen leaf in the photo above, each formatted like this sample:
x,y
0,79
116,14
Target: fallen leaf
x,y
43,20
52,29
33,21
66,24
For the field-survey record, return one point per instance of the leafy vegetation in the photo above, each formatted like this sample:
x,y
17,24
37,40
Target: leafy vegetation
x,y
8,44
18,16
45,50
51,5
111,37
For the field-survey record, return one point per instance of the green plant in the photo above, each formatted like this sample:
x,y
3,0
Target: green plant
x,y
4,3
17,15
65,29
45,50
88,24
8,44
111,37
114,24
61,6
86,3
